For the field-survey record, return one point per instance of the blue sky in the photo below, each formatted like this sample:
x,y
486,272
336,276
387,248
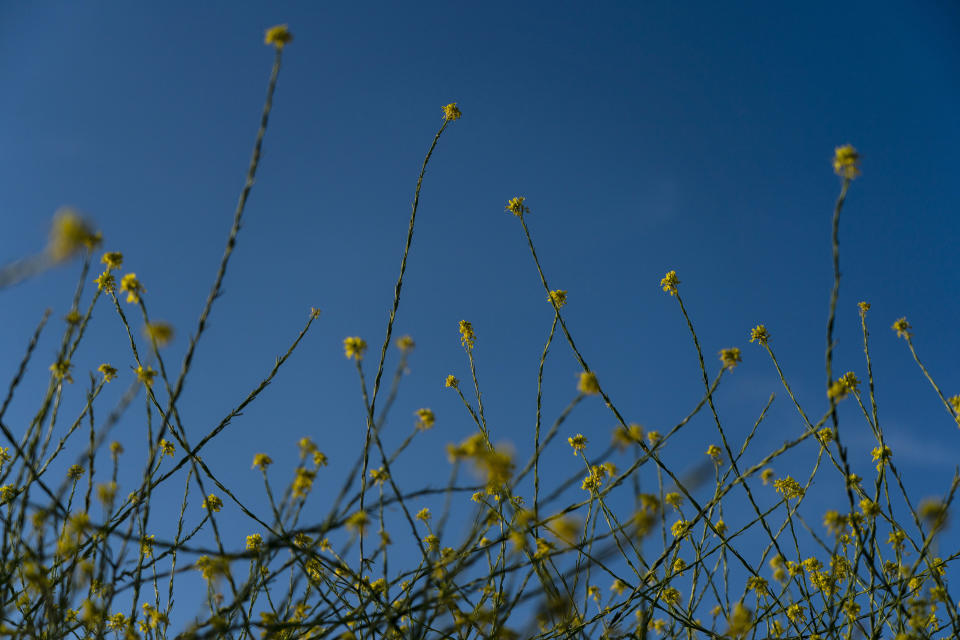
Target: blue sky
x,y
686,136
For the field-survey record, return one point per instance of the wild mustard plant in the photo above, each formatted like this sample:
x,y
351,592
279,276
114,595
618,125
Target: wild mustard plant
x,y
524,560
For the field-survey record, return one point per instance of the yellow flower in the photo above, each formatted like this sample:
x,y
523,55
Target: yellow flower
x,y
132,286
669,283
116,448
425,419
109,373
278,36
624,437
159,332
766,475
319,459
902,327
358,522
61,370
845,385
578,442
113,259
75,472
423,514
146,375
789,487
674,499
588,383
451,112
516,206
714,452
254,542
379,476
212,503
70,233
167,448
405,344
680,528
760,334
467,336
881,455
863,307
261,461
451,381
354,347
106,282
303,482
846,162
730,357
558,297
307,446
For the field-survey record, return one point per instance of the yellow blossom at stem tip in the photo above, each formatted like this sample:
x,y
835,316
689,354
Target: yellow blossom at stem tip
x,y
354,347
669,283
451,112
846,162
517,207
133,287
278,36
70,234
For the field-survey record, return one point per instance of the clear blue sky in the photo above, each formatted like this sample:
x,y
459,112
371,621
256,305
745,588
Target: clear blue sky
x,y
686,136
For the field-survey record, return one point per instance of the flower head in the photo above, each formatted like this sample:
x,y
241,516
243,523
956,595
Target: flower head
x,y
133,287
145,375
714,452
789,487
588,383
106,282
213,503
558,297
881,455
863,307
109,373
467,336
354,347
159,332
358,522
261,461
760,334
113,259
254,542
61,370
278,36
425,419
669,282
846,162
516,206
730,357
451,112
405,344
902,327
451,381
578,442
69,234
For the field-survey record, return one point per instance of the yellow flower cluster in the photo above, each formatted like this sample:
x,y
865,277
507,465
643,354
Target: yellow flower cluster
x,y
278,36
517,207
451,112
354,347
846,162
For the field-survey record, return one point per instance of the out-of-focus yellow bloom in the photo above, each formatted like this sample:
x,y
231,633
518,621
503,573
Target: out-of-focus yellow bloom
x,y
159,332
133,287
278,36
846,162
69,234
588,383
261,461
354,347
109,373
